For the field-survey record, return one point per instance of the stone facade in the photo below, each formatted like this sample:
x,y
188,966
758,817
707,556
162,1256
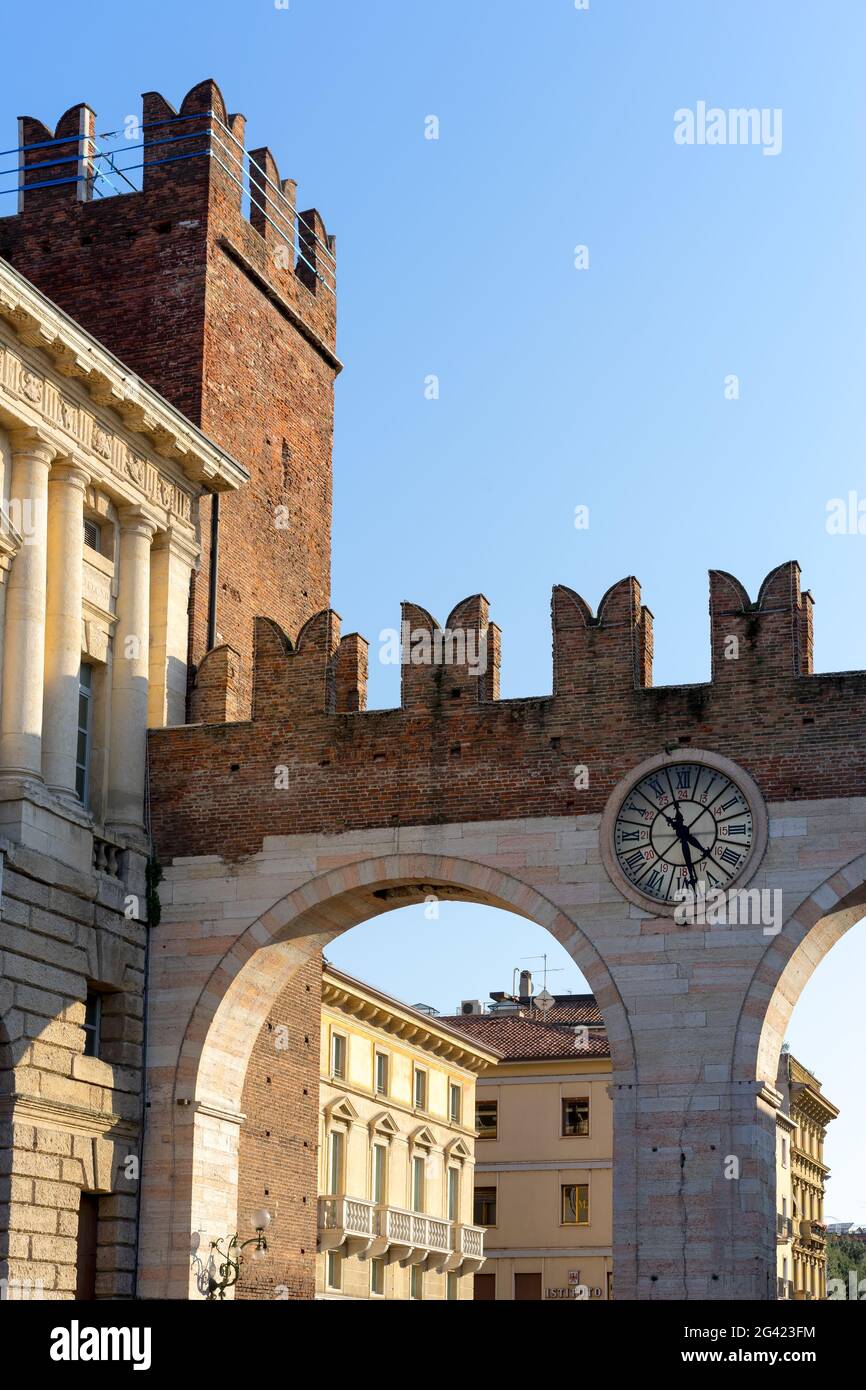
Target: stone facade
x,y
811,1112
695,1018
396,1149
100,488
548,1129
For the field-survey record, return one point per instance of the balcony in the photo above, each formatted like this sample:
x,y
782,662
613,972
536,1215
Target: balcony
x,y
811,1232
394,1234
347,1222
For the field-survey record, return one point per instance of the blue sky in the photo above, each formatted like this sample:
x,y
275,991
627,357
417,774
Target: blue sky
x,y
558,387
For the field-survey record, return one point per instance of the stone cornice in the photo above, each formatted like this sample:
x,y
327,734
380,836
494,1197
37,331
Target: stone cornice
x,y
73,1119
424,1032
38,323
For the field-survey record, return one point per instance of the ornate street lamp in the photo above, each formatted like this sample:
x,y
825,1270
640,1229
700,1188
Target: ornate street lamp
x,y
224,1265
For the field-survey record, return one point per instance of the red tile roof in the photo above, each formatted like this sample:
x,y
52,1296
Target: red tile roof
x,y
529,1035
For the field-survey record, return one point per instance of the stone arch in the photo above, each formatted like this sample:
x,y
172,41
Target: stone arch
x,y
258,966
787,964
192,1161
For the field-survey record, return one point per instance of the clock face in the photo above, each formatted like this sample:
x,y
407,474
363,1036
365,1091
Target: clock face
x,y
681,826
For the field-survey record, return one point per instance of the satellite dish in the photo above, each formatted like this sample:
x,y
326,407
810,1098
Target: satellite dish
x,y
544,1001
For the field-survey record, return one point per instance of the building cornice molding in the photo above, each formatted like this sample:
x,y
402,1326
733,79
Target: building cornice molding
x,y
39,324
379,1012
20,1108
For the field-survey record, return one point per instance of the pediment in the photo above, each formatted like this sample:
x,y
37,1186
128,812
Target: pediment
x,y
340,1108
458,1148
384,1123
423,1137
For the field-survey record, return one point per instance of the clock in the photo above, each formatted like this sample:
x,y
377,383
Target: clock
x,y
680,823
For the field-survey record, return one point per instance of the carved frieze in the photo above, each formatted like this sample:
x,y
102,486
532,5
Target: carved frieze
x,y
92,436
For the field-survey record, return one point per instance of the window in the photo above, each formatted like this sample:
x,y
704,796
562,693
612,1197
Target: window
x,y
335,1270
85,722
455,1102
485,1206
416,1282
486,1119
575,1115
92,1023
92,535
453,1194
575,1204
420,1089
338,1055
451,1284
381,1073
335,1162
379,1182
419,1163
377,1277
484,1288
784,1151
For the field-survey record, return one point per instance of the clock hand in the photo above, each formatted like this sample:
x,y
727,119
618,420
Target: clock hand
x,y
697,844
687,855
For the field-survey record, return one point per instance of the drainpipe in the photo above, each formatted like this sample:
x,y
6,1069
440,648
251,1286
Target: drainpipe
x,y
214,570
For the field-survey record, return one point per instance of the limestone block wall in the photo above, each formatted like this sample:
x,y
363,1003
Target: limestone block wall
x,y
68,1123
688,1011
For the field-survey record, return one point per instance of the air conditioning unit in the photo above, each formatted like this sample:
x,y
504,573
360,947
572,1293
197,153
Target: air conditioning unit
x,y
471,1006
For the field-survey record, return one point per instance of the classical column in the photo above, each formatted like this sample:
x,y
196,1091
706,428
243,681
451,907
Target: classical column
x,y
129,682
24,637
173,556
66,484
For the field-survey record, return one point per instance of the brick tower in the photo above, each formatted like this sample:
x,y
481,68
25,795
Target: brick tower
x,y
231,316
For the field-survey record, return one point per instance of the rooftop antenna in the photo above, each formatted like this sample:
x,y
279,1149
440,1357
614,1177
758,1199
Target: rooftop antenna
x,y
557,970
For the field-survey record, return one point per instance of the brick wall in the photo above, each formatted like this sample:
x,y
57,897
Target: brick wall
x,y
201,302
277,1166
311,760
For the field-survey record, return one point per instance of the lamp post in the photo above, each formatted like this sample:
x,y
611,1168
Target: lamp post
x,y
223,1268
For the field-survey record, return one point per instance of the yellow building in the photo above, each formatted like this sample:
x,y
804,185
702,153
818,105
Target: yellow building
x,y
810,1113
544,1170
397,1149
785,1131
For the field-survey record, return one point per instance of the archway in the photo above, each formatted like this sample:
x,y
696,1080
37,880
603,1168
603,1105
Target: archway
x,y
807,936
205,1029
784,1157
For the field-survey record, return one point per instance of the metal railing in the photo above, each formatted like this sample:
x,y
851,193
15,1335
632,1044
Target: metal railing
x,y
111,170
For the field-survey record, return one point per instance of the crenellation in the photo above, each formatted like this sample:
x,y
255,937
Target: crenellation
x,y
454,750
